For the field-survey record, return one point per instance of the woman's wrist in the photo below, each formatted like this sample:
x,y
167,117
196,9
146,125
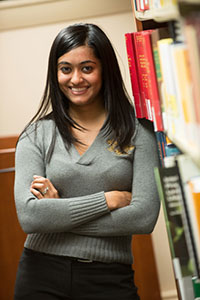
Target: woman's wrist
x,y
111,203
117,199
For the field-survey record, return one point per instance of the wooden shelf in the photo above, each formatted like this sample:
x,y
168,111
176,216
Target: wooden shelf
x,y
164,14
189,1
159,14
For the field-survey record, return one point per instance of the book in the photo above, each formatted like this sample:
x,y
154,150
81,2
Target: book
x,y
196,286
147,77
161,141
146,4
191,29
170,148
168,183
164,4
142,5
169,102
156,35
140,110
194,209
186,119
190,177
139,55
165,147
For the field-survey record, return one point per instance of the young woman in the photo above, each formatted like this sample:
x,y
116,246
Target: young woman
x,y
84,177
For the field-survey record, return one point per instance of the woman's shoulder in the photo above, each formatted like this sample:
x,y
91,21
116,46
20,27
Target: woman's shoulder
x,y
146,124
46,124
39,130
143,130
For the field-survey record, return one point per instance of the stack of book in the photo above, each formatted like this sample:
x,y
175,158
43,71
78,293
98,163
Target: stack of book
x,y
165,78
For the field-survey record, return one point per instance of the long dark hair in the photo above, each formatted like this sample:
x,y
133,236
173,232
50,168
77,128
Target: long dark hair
x,y
120,113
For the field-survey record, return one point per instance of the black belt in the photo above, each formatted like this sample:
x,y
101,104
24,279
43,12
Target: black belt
x,y
82,260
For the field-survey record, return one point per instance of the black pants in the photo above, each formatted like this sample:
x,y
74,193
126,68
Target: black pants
x,y
49,277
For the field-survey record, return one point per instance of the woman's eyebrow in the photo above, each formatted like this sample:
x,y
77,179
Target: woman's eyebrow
x,y
82,63
88,61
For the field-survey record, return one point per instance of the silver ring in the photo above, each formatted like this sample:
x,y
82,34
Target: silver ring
x,y
45,191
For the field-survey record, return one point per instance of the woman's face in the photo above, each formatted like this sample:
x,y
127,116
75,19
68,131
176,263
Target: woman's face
x,y
80,76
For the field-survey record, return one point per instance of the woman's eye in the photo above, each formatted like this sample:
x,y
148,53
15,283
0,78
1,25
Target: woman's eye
x,y
65,70
87,69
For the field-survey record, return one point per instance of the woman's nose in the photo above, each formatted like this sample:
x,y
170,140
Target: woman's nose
x,y
76,77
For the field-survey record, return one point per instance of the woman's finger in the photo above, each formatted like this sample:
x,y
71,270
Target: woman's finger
x,y
45,181
36,185
45,187
40,179
41,187
36,193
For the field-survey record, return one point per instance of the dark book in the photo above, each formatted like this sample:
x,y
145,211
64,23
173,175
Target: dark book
x,y
171,194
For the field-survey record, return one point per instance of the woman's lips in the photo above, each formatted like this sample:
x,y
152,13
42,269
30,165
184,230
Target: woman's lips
x,y
78,91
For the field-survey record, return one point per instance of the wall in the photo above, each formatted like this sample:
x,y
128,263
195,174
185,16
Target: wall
x,y
24,55
23,60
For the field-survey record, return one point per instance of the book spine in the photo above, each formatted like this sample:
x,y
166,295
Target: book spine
x,y
191,29
190,174
139,110
141,63
157,35
185,118
152,83
194,212
140,5
168,183
169,92
196,287
161,145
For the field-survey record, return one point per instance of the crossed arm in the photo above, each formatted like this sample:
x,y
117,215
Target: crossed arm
x,y
114,199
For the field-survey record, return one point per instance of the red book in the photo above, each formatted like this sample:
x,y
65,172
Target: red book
x,y
147,77
142,5
140,110
140,61
146,4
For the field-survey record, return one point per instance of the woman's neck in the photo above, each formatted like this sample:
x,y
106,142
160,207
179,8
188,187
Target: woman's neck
x,y
89,118
92,120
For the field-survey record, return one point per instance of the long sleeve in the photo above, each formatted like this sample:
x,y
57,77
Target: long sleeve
x,y
141,215
48,215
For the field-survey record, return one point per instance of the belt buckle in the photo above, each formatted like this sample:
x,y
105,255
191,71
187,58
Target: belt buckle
x,y
85,260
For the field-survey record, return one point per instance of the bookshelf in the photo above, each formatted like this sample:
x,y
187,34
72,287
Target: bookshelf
x,y
189,1
165,56
159,14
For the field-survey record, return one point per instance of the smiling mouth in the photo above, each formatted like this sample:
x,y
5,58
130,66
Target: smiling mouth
x,y
78,91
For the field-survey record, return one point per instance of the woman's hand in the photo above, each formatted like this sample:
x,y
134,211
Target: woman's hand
x,y
118,199
42,187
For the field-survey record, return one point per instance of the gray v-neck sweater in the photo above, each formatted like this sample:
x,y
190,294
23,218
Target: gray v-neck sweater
x,y
79,223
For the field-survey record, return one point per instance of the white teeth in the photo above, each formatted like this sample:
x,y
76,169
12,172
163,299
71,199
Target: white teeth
x,y
78,89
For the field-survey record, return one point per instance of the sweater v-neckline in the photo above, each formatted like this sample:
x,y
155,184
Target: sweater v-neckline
x,y
90,154
81,153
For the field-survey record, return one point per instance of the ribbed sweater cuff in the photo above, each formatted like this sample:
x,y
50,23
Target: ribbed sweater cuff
x,y
87,208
